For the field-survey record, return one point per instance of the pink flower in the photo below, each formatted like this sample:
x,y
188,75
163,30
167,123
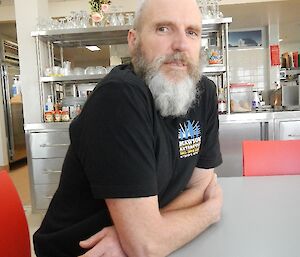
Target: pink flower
x,y
104,7
97,17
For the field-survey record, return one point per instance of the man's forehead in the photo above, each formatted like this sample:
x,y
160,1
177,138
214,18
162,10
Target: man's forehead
x,y
173,11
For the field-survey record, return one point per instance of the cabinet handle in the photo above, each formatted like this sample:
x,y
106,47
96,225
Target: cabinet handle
x,y
54,145
291,135
48,196
49,172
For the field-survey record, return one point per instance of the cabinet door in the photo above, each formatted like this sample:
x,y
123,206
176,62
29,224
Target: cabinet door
x,y
49,144
47,171
231,137
289,130
43,195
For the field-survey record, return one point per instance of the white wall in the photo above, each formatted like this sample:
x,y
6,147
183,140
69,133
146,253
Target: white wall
x,y
249,66
292,47
57,9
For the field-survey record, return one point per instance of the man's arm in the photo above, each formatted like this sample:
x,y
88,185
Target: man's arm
x,y
185,216
194,192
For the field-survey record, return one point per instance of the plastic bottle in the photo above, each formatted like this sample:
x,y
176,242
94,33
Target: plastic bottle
x,y
255,101
49,104
222,106
15,88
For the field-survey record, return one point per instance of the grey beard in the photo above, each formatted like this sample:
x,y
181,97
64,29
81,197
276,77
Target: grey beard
x,y
171,98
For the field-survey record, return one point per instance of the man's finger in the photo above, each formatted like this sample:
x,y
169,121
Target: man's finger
x,y
93,240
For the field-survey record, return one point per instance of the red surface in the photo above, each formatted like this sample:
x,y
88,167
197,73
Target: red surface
x,y
275,55
266,158
14,234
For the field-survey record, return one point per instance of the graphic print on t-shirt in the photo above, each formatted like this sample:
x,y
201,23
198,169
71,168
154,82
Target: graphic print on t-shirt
x,y
189,138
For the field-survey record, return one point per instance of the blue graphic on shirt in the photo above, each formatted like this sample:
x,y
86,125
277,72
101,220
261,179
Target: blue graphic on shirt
x,y
189,138
188,130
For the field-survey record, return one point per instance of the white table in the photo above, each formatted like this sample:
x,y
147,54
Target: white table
x,y
261,218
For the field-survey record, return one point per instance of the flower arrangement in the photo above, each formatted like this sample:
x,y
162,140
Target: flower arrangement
x,y
99,5
99,8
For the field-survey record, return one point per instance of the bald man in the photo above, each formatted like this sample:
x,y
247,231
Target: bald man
x,y
138,179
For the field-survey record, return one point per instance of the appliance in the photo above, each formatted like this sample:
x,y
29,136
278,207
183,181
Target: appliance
x,y
290,95
12,101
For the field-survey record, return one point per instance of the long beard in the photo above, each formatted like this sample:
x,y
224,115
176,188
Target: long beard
x,y
172,96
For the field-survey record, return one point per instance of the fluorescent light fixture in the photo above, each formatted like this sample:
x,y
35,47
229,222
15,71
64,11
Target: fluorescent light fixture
x,y
93,48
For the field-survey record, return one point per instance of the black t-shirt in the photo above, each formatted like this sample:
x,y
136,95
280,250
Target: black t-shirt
x,y
121,147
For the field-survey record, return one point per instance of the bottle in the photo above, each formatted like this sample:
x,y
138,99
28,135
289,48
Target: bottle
x,y
255,101
49,104
15,88
222,106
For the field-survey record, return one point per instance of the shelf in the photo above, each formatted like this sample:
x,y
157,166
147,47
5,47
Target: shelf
x,y
211,25
72,78
214,69
109,35
85,36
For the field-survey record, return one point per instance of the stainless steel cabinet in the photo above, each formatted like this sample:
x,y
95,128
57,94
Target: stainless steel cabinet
x,y
236,128
46,153
287,125
289,130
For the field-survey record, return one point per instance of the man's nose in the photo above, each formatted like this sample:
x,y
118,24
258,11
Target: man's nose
x,y
180,42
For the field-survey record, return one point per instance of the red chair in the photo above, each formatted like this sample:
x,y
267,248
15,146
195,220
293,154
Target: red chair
x,y
267,158
14,233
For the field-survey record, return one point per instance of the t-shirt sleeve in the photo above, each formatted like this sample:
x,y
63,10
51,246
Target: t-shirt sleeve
x,y
210,154
116,142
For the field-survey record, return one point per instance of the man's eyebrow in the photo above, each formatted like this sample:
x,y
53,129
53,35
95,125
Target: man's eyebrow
x,y
170,23
195,28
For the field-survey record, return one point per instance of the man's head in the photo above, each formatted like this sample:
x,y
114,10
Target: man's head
x,y
165,47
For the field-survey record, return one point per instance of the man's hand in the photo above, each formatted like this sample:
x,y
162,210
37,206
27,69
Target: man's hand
x,y
104,243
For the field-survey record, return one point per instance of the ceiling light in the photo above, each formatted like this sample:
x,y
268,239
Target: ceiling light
x,y
280,39
93,48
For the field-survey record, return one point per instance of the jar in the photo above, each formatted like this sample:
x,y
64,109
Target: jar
x,y
65,116
57,116
214,56
49,117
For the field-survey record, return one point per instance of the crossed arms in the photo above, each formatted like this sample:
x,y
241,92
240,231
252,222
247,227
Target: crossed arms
x,y
141,229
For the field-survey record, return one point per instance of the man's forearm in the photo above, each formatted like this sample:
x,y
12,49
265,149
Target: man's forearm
x,y
144,237
184,225
193,195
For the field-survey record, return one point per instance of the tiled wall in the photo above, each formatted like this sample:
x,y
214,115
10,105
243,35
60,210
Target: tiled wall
x,y
250,66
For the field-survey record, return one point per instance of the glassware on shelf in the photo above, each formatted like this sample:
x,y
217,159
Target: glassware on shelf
x,y
210,9
129,18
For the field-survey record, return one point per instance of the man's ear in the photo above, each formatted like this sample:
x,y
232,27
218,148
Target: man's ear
x,y
132,39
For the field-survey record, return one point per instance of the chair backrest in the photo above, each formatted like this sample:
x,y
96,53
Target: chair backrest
x,y
266,158
14,233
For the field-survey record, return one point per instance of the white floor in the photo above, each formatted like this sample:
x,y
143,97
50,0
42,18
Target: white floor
x,y
34,221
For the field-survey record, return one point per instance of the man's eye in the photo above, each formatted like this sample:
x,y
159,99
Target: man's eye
x,y
192,33
162,29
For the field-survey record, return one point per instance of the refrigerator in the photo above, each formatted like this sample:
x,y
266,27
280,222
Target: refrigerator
x,y
12,101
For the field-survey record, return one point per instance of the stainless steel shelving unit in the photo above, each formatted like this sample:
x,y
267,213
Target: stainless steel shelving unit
x,y
81,37
73,78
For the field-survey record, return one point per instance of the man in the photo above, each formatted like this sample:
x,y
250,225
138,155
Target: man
x,y
139,168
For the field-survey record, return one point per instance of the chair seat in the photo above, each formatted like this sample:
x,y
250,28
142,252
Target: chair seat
x,y
14,233
265,158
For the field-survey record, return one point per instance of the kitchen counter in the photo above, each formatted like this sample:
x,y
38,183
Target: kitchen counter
x,y
224,118
259,116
